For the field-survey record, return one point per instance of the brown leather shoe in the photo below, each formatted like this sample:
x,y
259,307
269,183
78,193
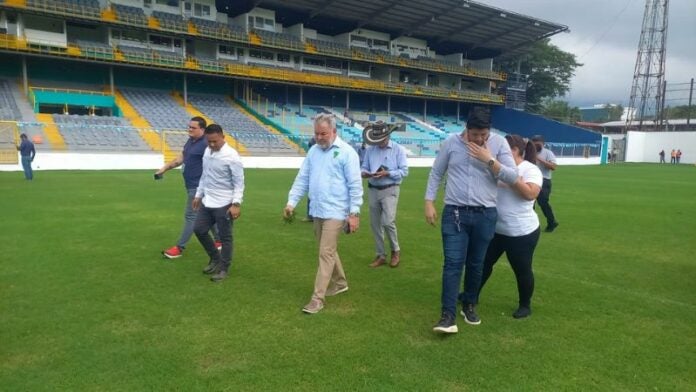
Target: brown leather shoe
x,y
379,261
395,260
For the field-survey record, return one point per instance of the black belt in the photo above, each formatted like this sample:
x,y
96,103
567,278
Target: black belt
x,y
469,208
381,187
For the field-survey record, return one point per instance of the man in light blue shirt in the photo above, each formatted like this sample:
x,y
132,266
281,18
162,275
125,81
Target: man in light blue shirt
x,y
384,167
474,161
330,175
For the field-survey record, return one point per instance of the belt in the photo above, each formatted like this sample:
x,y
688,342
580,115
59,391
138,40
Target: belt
x,y
469,208
381,187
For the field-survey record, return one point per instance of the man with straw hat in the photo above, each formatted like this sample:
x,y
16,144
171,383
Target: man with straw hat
x,y
384,167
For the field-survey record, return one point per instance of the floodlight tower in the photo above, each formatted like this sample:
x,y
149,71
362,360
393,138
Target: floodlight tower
x,y
648,90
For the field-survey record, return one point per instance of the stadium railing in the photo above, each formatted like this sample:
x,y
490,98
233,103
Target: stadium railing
x,y
114,15
172,60
264,142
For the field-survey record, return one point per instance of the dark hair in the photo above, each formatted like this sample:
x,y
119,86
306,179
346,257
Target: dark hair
x,y
23,136
479,118
213,128
538,138
201,121
524,147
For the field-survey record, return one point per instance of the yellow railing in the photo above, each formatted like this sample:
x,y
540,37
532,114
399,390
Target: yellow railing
x,y
108,15
153,23
67,90
258,72
254,39
16,3
9,139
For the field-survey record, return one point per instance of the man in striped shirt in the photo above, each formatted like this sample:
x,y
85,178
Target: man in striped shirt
x,y
474,161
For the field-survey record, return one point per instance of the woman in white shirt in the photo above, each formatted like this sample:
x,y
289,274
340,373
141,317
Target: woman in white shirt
x,y
517,228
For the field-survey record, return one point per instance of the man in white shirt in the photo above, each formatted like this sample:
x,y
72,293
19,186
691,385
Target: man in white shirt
x,y
218,200
546,161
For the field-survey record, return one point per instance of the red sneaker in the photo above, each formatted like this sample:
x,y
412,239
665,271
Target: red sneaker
x,y
218,245
173,252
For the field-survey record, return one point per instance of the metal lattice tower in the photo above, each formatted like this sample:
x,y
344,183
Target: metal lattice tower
x,y
648,90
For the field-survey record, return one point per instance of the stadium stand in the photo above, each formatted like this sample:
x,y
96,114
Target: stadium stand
x,y
158,107
364,74
220,30
282,40
8,108
170,21
129,14
88,8
256,138
332,48
97,50
99,133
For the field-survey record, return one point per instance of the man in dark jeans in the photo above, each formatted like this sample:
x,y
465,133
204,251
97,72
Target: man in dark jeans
x,y
28,152
546,161
473,161
191,157
218,200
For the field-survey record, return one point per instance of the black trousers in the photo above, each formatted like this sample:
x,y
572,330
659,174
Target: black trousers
x,y
520,252
543,200
206,218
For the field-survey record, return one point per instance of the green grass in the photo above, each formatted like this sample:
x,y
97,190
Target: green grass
x,y
87,302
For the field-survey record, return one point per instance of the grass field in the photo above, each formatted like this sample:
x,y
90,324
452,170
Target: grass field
x,y
87,303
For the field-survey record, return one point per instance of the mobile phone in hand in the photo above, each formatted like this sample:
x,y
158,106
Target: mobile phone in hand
x,y
346,227
158,176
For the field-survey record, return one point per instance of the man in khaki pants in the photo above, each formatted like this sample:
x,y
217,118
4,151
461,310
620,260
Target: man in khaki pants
x,y
330,176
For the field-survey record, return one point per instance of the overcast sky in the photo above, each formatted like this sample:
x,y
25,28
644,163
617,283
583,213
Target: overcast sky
x,y
604,35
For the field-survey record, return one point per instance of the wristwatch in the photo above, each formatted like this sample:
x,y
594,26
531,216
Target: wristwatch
x,y
491,162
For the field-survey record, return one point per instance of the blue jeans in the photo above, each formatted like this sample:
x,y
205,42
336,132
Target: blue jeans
x,y
466,233
26,165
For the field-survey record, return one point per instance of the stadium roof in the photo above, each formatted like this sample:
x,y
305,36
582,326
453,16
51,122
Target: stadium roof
x,y
449,26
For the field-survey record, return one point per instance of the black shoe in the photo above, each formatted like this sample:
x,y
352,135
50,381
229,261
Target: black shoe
x,y
551,227
211,268
470,316
522,312
221,275
446,324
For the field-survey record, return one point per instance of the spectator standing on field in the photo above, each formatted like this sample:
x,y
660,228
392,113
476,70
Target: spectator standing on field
x,y
28,153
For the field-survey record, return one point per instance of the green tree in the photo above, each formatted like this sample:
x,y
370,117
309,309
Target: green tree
x,y
614,112
560,111
681,111
549,68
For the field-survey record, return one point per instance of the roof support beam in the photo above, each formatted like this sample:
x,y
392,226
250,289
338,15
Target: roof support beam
x,y
498,35
321,9
460,29
513,47
377,14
